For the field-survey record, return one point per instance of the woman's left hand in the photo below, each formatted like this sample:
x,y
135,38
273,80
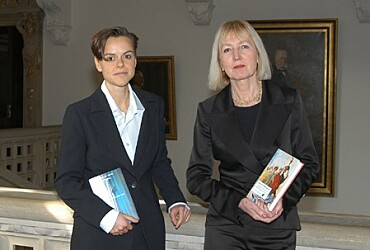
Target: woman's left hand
x,y
179,215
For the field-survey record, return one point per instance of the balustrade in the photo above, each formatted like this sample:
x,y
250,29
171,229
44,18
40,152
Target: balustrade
x,y
29,157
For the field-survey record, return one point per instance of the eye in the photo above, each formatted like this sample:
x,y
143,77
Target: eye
x,y
226,50
108,58
128,56
245,46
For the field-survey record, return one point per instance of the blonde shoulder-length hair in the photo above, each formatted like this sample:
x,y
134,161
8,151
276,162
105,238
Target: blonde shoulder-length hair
x,y
217,79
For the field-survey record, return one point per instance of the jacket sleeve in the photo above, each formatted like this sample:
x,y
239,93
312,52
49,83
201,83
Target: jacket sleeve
x,y
303,148
223,199
162,171
70,183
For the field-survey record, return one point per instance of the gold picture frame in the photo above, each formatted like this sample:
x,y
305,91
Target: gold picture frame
x,y
311,47
157,74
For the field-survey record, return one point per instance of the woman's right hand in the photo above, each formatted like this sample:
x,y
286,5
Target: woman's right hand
x,y
259,210
123,224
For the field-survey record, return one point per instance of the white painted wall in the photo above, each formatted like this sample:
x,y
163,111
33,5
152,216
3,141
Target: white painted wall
x,y
165,28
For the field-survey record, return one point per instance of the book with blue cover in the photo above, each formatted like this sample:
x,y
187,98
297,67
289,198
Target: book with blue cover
x,y
112,188
276,178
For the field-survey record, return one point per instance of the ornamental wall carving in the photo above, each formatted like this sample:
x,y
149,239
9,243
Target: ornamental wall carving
x,y
28,18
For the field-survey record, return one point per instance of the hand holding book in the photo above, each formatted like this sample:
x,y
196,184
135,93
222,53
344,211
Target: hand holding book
x,y
259,210
123,224
275,179
112,188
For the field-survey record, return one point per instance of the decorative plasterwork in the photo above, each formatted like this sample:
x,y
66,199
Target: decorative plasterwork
x,y
58,19
363,10
200,11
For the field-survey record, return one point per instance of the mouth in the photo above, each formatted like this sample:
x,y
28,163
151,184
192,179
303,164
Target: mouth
x,y
240,66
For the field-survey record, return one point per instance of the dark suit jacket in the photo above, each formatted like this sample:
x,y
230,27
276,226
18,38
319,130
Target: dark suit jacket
x,y
91,145
281,123
281,78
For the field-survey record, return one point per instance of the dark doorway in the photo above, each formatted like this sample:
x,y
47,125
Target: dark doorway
x,y
11,78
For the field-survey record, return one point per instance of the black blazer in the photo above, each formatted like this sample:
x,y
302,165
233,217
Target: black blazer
x,y
91,145
281,123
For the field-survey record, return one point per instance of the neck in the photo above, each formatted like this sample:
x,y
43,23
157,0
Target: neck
x,y
121,97
247,96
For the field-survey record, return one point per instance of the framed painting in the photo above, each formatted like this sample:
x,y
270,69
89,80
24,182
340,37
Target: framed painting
x,y
157,74
303,55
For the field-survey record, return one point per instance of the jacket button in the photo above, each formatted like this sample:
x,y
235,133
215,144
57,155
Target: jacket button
x,y
134,184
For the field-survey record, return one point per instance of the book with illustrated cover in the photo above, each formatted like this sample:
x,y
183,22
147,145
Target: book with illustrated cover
x,y
276,178
112,188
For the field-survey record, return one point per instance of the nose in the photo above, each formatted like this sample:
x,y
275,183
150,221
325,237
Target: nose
x,y
236,54
119,61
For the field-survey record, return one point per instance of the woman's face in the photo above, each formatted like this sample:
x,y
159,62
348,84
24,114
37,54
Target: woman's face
x,y
238,57
118,63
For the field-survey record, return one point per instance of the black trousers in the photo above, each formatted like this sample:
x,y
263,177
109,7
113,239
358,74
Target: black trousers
x,y
234,237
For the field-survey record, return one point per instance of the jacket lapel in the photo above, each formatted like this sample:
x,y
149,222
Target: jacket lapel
x,y
224,121
274,112
276,107
145,128
103,121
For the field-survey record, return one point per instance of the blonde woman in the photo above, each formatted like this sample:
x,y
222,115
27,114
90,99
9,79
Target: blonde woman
x,y
241,127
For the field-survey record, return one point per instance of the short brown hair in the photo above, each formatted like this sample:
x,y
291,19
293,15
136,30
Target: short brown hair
x,y
99,40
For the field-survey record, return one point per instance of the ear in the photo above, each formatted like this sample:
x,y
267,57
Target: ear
x,y
97,64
